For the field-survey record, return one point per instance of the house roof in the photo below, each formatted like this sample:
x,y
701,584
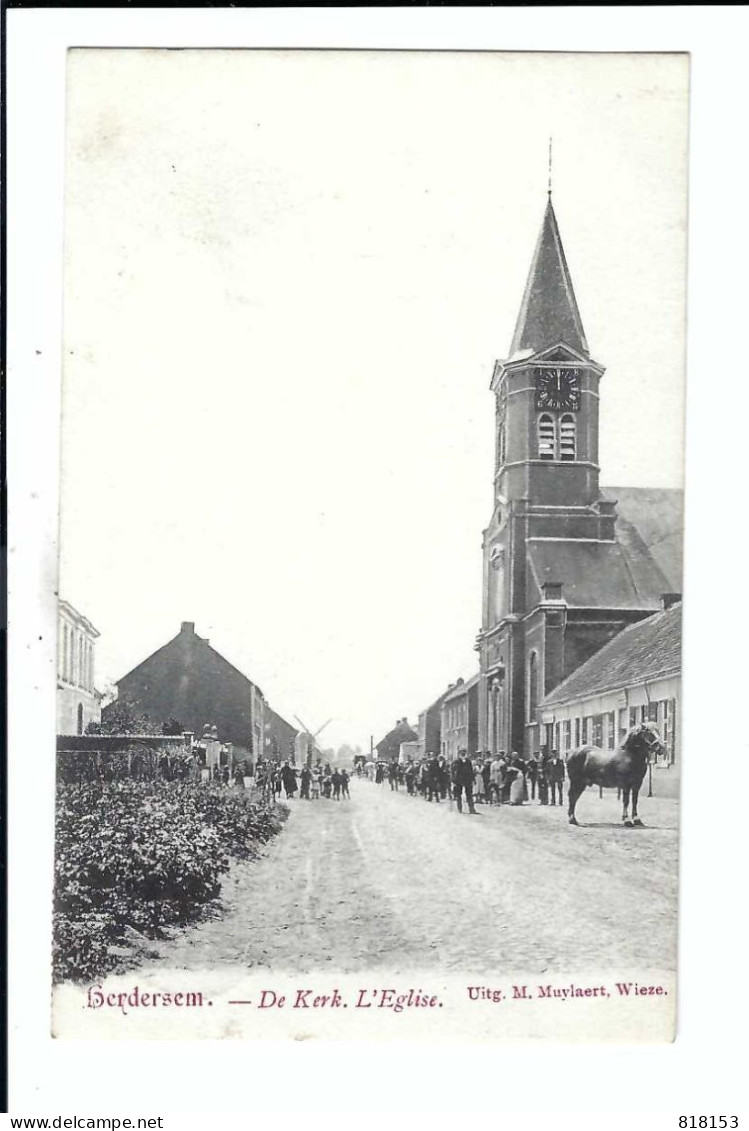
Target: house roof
x,y
187,637
78,617
403,732
620,574
437,702
548,313
462,688
641,653
272,716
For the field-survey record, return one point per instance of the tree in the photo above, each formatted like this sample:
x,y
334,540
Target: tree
x,y
172,726
123,717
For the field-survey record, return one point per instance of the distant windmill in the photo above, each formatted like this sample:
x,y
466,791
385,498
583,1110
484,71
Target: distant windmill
x,y
310,736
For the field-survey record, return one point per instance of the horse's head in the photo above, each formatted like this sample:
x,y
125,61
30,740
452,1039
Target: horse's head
x,y
644,739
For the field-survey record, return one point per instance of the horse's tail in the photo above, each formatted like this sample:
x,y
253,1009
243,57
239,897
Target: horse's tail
x,y
576,764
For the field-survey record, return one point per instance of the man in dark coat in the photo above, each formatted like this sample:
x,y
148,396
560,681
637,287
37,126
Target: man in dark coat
x,y
555,773
532,769
305,779
288,777
444,776
434,779
543,780
393,775
463,781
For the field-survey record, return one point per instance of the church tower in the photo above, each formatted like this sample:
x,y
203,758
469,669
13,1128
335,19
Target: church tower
x,y
557,582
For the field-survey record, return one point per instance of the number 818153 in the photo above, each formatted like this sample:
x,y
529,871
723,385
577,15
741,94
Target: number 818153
x,y
711,1121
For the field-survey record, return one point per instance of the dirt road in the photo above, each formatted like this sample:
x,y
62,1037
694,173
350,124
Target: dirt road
x,y
393,881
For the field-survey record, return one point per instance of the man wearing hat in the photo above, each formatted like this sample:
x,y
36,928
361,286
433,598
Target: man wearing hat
x,y
555,772
463,781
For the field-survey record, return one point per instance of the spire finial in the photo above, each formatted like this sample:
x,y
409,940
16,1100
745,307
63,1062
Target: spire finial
x,y
550,164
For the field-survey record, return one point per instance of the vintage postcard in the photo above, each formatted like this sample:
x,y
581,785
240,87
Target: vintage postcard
x,y
369,664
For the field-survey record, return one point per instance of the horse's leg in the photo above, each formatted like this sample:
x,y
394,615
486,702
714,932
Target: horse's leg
x,y
635,794
625,807
573,794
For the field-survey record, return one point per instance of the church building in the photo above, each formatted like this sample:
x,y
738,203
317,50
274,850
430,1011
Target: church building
x,y
567,565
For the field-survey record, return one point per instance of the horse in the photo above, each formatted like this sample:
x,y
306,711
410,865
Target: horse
x,y
623,768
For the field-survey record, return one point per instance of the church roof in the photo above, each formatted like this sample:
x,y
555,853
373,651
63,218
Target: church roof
x,y
646,651
549,313
657,513
611,575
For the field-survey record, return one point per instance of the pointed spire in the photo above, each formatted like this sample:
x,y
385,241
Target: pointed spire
x,y
549,313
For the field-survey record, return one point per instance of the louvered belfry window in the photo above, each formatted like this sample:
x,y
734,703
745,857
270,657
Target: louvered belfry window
x,y
546,437
567,444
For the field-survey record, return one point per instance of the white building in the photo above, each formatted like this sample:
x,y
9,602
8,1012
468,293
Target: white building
x,y
78,701
634,678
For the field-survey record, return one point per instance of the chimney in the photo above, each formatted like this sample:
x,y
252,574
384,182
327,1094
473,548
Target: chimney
x,y
669,599
552,591
187,628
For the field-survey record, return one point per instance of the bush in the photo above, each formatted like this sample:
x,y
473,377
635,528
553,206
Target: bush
x,y
143,855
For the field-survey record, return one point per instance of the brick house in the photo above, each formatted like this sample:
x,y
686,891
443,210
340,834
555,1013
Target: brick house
x,y
190,681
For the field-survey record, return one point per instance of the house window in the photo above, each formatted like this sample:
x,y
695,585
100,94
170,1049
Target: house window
x,y
79,719
567,739
578,735
532,687
546,437
633,716
598,730
64,651
611,737
567,443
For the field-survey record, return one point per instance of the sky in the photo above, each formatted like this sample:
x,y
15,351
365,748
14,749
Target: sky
x,y
287,278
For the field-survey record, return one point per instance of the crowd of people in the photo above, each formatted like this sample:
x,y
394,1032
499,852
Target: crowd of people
x,y
499,779
311,782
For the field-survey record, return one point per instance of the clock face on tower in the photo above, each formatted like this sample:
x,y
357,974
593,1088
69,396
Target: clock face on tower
x,y
558,388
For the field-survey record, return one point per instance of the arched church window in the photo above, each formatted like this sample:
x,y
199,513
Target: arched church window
x,y
546,437
532,687
567,438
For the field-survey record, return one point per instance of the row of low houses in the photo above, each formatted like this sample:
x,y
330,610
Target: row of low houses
x,y
186,680
634,678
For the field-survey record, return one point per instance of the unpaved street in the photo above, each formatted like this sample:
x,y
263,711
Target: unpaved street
x,y
393,881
